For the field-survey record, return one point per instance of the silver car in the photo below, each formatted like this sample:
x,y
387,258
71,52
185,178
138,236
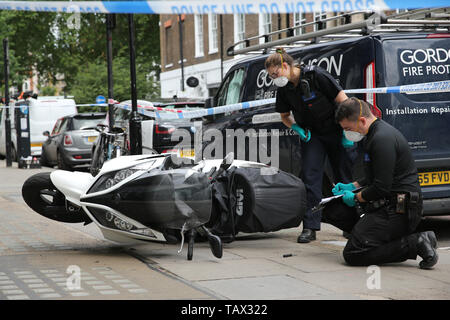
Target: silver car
x,y
69,145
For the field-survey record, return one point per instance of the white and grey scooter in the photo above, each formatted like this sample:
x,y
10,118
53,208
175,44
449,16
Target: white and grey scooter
x,y
144,197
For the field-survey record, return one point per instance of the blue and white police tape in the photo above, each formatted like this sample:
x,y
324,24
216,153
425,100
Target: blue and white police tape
x,y
93,105
161,115
429,87
217,6
128,107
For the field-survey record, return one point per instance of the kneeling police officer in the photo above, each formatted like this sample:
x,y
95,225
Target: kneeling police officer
x,y
390,201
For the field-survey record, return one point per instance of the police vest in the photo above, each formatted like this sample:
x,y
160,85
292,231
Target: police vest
x,y
316,111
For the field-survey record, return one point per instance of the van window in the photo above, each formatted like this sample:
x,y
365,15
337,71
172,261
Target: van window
x,y
230,92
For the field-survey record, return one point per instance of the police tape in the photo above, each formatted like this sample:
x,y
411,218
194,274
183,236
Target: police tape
x,y
59,106
180,114
216,6
92,105
429,87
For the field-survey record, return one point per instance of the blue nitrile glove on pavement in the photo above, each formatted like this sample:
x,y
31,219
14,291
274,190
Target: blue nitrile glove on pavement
x,y
339,188
305,135
346,143
349,198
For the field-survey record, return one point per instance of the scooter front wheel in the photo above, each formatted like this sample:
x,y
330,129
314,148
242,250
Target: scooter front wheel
x,y
43,197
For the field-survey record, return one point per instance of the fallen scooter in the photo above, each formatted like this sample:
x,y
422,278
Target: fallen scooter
x,y
165,198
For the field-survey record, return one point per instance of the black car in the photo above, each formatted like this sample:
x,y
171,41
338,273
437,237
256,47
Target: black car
x,y
69,145
157,135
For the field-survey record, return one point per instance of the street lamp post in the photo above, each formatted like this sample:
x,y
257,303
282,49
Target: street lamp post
x,y
135,120
7,118
110,25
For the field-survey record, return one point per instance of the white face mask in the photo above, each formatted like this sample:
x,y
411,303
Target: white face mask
x,y
353,135
280,81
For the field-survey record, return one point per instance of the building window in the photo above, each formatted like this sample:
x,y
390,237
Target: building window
x,y
212,24
299,19
239,29
199,49
319,16
265,25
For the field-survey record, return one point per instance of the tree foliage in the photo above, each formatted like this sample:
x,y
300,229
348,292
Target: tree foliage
x,y
48,44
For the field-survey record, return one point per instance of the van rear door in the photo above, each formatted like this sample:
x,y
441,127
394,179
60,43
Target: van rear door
x,y
43,116
424,119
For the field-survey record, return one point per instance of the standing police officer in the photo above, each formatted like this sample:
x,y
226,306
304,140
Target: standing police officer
x,y
311,94
391,199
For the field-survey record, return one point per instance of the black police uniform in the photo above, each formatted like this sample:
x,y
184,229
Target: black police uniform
x,y
383,233
313,107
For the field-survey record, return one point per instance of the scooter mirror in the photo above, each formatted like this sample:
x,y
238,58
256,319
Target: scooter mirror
x,y
227,161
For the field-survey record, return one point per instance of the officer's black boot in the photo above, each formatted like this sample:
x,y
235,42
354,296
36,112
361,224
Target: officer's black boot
x,y
307,236
426,249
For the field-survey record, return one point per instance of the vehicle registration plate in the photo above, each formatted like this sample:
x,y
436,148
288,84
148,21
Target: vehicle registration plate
x,y
186,153
91,139
434,178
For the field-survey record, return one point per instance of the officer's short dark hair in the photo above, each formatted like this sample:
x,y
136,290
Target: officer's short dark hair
x,y
351,108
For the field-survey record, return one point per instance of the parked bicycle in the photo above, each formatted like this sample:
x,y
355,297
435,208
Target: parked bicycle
x,y
110,144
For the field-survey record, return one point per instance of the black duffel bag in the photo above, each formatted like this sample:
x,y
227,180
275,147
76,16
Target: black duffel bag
x,y
251,200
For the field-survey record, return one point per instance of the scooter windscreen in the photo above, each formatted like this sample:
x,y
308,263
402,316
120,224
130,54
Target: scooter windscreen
x,y
161,199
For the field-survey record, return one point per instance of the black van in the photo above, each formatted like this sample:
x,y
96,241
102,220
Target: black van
x,y
375,60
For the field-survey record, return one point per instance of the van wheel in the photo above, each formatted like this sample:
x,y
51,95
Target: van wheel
x,y
62,164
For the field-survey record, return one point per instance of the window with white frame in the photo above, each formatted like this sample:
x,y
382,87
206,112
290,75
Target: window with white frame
x,y
299,19
199,49
212,25
239,29
265,25
318,16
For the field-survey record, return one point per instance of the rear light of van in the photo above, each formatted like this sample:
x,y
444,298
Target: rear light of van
x,y
369,79
170,151
163,130
68,140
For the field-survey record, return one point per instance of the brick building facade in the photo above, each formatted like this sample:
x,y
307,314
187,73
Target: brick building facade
x,y
201,45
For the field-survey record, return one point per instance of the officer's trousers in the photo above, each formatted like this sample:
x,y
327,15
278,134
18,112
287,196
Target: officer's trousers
x,y
377,237
313,154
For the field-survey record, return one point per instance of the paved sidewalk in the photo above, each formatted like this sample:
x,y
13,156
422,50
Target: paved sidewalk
x,y
274,266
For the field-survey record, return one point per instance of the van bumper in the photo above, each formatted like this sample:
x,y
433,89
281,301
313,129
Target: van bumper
x,y
436,207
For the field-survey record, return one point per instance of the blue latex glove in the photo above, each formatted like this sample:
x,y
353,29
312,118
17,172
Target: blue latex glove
x,y
339,188
349,198
305,135
347,143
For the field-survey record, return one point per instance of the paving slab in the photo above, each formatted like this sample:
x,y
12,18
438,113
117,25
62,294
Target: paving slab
x,y
268,287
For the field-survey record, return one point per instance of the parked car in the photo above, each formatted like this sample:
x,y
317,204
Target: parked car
x,y
160,139
43,112
69,145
